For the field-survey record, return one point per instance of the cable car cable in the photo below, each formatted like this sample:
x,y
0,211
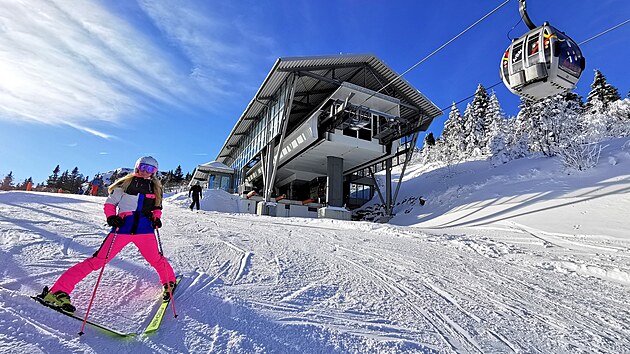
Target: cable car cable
x,y
437,50
443,110
583,42
606,31
473,95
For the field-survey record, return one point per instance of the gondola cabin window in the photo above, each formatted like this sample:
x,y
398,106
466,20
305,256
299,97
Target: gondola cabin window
x,y
569,56
533,48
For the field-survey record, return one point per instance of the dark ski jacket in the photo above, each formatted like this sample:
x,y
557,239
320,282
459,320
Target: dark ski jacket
x,y
196,191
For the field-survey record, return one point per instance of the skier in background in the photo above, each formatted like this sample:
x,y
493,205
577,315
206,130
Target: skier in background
x,y
138,198
196,194
96,183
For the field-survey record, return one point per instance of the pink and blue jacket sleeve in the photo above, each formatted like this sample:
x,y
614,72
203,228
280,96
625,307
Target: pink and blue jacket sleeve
x,y
112,202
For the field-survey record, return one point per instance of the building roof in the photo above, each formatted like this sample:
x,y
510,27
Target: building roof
x,y
318,78
215,166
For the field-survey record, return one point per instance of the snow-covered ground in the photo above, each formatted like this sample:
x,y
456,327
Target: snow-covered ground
x,y
521,257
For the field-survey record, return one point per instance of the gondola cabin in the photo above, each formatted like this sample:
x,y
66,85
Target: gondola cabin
x,y
541,63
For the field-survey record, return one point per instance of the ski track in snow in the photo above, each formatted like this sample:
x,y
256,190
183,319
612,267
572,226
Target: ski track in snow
x,y
259,284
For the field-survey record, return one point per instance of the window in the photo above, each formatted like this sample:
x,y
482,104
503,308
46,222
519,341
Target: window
x,y
225,183
360,194
533,48
517,57
570,56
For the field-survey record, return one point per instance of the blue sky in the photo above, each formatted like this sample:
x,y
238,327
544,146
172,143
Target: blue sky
x,y
98,84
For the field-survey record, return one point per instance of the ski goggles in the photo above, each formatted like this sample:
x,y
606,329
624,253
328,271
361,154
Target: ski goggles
x,y
143,167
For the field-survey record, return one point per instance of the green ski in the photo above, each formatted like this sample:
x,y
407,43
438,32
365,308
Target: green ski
x,y
157,319
101,327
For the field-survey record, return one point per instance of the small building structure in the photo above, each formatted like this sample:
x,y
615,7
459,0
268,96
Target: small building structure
x,y
214,175
317,131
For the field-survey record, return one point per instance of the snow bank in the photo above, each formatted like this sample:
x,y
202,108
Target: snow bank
x,y
213,200
523,192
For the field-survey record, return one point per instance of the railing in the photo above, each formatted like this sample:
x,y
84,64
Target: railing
x,y
176,188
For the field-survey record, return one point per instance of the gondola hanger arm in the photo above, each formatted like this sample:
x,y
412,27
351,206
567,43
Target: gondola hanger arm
x,y
523,10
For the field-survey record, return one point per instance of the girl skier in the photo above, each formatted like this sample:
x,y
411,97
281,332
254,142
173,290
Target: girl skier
x,y
138,197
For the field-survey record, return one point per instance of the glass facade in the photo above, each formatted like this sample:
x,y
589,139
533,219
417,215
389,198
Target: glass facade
x,y
359,194
265,128
220,181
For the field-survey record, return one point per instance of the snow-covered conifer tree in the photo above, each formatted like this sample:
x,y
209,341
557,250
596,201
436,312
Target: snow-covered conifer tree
x,y
474,122
426,154
557,122
495,139
529,123
517,138
453,137
567,109
601,92
597,117
576,144
619,114
549,124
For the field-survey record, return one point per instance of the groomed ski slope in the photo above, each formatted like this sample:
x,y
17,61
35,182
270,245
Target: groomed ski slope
x,y
521,258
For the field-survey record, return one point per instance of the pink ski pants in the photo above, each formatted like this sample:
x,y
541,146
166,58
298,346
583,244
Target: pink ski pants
x,y
147,245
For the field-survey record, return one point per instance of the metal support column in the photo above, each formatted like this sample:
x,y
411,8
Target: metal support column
x,y
285,122
263,166
380,195
407,159
268,166
388,187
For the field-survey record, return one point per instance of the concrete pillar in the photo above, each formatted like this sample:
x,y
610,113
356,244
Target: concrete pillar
x,y
334,184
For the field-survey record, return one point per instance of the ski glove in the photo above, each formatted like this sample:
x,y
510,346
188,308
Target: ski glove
x,y
115,221
157,223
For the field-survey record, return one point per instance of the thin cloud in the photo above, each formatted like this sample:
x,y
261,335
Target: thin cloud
x,y
92,131
74,63
223,52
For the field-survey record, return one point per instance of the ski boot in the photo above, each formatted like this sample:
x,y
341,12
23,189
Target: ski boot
x,y
58,299
165,294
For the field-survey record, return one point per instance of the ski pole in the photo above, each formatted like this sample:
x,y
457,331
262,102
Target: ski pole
x,y
168,283
98,281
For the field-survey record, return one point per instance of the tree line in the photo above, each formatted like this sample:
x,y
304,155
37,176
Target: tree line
x,y
562,125
76,183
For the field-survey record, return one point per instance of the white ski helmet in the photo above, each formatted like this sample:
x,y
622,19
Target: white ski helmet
x,y
148,160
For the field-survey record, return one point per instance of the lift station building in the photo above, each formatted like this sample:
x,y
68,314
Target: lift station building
x,y
318,129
